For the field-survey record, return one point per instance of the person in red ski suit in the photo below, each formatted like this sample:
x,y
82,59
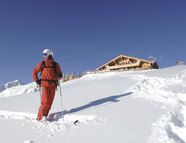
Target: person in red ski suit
x,y
49,80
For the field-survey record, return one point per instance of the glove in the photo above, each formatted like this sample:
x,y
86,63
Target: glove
x,y
38,82
59,75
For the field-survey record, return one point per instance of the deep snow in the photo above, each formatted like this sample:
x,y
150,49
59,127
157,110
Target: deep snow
x,y
133,107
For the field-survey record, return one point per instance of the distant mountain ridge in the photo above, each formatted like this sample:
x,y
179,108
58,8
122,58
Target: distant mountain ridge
x,y
10,84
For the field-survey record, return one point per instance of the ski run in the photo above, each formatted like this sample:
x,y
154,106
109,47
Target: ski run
x,y
147,106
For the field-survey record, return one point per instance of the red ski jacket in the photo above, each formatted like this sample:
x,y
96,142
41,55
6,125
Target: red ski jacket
x,y
48,74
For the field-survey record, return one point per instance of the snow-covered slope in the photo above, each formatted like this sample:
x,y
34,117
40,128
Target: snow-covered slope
x,y
116,107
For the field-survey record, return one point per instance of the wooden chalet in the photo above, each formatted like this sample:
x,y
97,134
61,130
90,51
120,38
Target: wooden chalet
x,y
179,63
128,63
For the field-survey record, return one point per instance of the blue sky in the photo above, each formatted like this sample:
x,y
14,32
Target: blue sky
x,y
84,34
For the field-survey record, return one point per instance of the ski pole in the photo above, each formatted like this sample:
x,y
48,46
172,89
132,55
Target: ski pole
x,y
61,97
41,101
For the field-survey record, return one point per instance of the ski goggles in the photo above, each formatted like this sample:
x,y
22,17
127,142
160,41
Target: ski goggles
x,y
45,54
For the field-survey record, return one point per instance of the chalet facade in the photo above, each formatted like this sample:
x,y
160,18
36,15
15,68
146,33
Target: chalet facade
x,y
179,63
128,63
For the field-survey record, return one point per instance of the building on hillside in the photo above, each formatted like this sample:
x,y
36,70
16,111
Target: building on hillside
x,y
179,63
128,63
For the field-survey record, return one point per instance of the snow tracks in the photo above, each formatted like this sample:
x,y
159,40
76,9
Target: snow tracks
x,y
171,127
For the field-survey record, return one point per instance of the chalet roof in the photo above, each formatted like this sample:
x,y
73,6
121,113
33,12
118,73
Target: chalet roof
x,y
138,59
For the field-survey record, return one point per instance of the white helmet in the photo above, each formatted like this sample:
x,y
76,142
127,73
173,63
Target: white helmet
x,y
48,52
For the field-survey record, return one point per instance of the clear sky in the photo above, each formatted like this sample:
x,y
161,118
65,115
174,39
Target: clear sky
x,y
84,34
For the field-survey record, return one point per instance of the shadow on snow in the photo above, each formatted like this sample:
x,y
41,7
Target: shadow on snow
x,y
115,98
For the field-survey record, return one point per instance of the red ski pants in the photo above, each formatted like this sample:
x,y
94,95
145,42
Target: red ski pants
x,y
48,94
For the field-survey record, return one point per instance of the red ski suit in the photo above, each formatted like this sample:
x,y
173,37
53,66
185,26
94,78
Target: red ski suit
x,y
48,87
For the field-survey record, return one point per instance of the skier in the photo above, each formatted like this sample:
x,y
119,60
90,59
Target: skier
x,y
50,73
